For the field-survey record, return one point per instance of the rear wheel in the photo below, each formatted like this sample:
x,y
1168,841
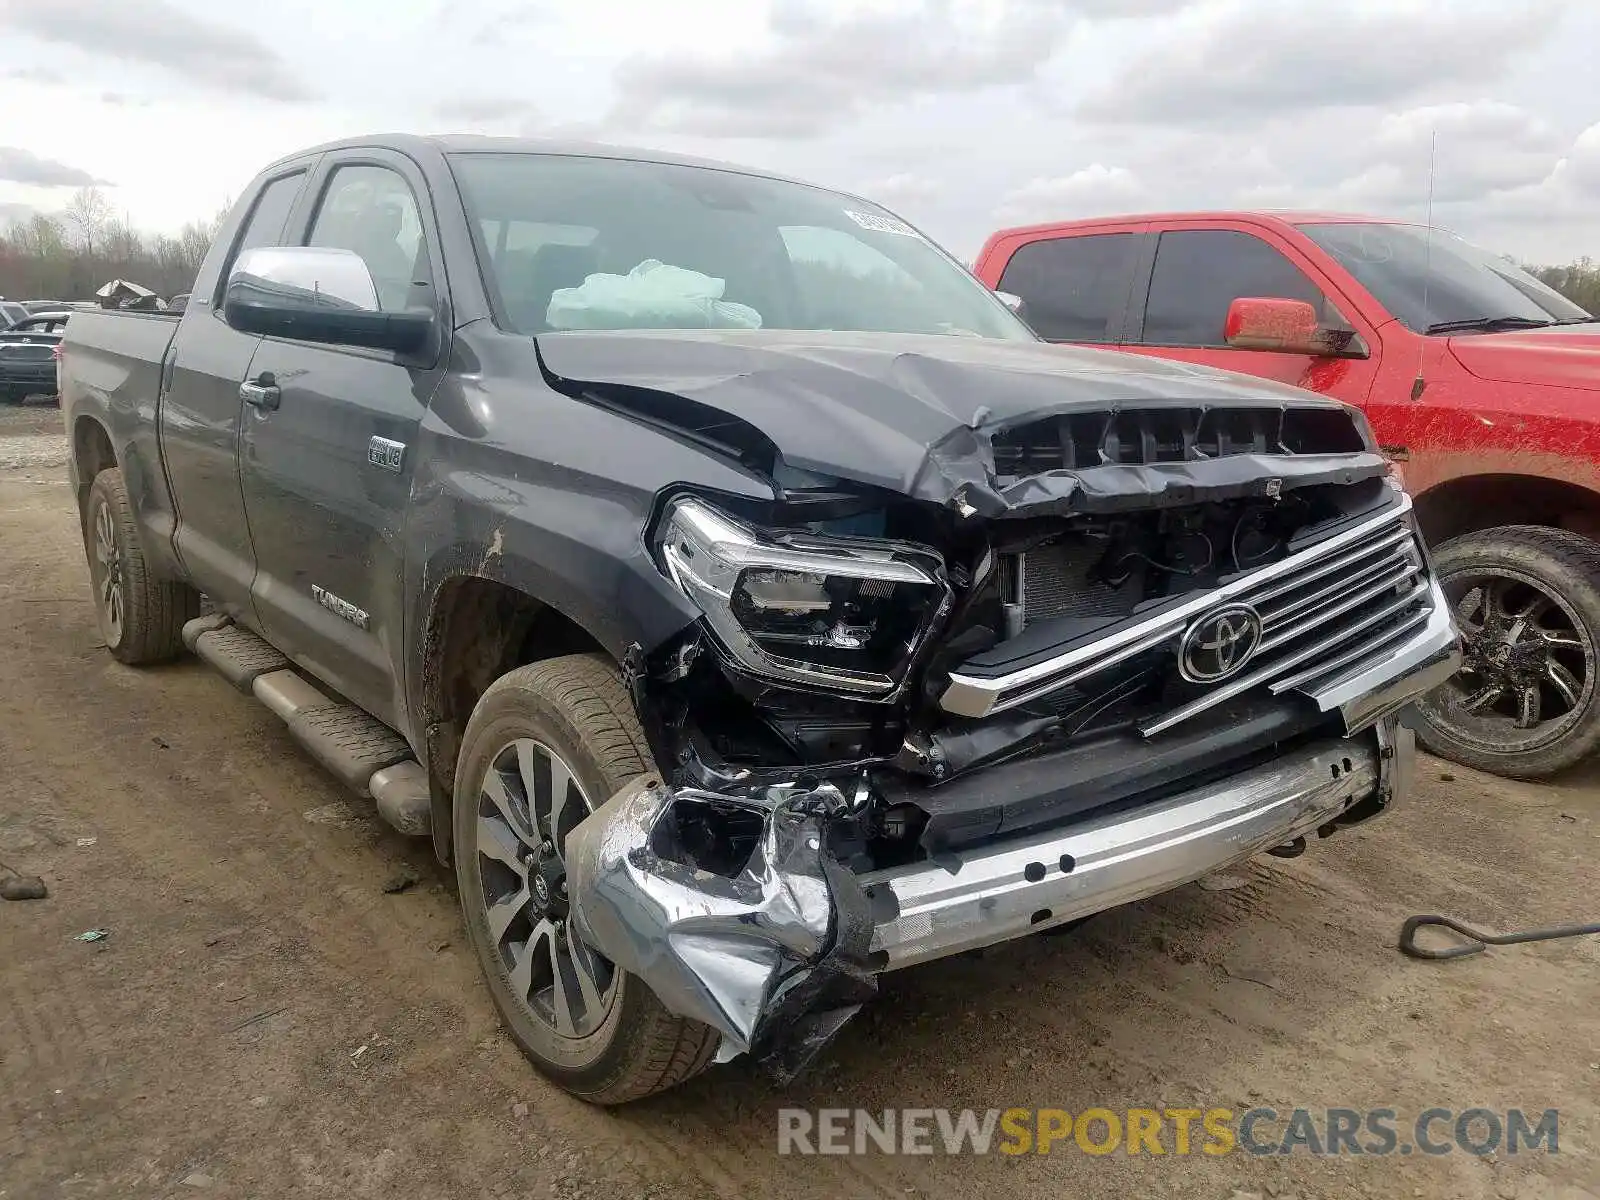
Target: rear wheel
x,y
1525,702
141,619
547,744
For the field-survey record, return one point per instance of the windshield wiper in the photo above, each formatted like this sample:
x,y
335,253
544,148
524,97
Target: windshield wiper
x,y
1488,324
1578,321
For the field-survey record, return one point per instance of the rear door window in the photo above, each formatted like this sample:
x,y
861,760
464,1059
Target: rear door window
x,y
1199,272
1074,289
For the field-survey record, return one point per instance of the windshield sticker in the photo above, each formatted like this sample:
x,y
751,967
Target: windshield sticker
x,y
880,224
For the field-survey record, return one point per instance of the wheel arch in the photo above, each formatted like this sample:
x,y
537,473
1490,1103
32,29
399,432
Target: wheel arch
x,y
92,452
478,626
1473,503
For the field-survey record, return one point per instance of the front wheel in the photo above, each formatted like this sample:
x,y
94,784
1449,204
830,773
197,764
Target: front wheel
x,y
1525,702
545,746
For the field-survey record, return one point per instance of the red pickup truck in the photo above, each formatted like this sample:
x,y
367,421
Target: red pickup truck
x,y
1483,383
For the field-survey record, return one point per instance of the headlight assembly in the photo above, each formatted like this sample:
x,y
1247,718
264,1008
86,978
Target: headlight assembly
x,y
847,614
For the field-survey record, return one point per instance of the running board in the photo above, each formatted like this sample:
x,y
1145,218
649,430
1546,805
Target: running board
x,y
372,759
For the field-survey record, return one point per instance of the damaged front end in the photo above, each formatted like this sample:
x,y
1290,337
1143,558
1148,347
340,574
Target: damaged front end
x,y
731,908
1078,658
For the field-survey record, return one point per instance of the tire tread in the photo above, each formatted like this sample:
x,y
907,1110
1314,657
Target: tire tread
x,y
154,611
1568,553
666,1050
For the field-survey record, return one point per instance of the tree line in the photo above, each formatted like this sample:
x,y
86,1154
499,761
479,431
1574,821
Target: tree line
x,y
70,254
1578,282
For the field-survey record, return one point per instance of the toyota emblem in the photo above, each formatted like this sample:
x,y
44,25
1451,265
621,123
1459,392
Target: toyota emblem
x,y
1219,644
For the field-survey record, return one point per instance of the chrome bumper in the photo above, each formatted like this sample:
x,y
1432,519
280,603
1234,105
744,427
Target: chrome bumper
x,y
1029,884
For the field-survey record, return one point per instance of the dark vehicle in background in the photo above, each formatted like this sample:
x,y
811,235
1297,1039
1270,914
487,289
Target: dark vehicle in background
x,y
40,326
47,306
27,370
741,597
1481,382
28,353
11,312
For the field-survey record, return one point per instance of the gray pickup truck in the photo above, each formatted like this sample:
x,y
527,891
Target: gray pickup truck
x,y
741,597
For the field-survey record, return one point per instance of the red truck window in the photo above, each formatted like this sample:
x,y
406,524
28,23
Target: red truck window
x,y
1199,272
1075,288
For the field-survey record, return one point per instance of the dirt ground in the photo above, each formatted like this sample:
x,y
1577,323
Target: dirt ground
x,y
264,1019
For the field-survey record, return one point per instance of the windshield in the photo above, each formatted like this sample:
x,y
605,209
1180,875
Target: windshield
x,y
1446,282
571,242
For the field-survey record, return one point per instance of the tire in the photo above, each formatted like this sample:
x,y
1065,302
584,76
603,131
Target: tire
x,y
618,1043
1526,702
140,618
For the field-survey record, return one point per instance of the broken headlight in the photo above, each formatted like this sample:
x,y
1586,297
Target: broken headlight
x,y
841,613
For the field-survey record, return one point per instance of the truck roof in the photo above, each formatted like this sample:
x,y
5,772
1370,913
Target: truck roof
x,y
461,143
1269,216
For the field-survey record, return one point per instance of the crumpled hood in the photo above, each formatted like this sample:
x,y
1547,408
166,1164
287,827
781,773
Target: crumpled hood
x,y
1561,356
913,413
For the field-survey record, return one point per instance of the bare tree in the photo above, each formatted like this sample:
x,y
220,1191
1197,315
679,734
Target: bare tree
x,y
89,213
40,236
120,242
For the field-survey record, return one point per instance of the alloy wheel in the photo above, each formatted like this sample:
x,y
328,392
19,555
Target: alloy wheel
x,y
108,572
1528,665
528,802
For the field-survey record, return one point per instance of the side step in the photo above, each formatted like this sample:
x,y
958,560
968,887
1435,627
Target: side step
x,y
372,759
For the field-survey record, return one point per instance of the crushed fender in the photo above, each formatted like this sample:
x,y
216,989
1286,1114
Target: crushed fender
x,y
731,909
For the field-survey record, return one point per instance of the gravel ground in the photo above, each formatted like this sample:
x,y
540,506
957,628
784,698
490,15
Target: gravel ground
x,y
264,1018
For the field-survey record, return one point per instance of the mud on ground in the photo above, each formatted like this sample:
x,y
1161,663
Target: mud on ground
x,y
265,1019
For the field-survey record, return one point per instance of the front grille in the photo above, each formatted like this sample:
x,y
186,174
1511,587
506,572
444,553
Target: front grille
x,y
1326,611
1324,616
1145,436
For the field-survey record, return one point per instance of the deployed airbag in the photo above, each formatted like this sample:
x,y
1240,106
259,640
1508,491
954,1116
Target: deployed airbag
x,y
654,295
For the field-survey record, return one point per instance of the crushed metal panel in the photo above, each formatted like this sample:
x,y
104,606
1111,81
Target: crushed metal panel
x,y
900,412
774,957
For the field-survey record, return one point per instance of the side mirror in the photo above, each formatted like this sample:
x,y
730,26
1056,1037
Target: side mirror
x,y
1288,327
317,294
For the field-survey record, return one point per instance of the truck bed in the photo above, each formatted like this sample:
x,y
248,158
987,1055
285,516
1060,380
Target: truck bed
x,y
119,354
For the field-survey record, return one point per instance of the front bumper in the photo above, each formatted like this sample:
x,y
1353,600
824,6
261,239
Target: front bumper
x,y
777,956
1017,887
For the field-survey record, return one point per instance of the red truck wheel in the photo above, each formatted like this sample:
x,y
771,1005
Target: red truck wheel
x,y
1525,702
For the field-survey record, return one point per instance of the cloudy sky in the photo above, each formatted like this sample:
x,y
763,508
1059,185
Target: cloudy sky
x,y
962,114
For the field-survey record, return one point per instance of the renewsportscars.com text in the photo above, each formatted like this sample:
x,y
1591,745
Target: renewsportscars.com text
x,y
1176,1131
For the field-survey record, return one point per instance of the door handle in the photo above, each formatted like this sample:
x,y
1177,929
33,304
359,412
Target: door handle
x,y
262,395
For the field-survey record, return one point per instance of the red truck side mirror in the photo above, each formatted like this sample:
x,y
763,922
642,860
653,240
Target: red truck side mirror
x,y
1289,327
1272,323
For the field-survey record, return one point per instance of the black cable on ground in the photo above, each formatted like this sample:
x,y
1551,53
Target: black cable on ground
x,y
1476,940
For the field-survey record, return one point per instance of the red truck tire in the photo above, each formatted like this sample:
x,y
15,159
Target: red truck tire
x,y
1525,703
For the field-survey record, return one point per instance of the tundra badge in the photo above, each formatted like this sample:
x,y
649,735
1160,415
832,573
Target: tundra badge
x,y
356,616
381,452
